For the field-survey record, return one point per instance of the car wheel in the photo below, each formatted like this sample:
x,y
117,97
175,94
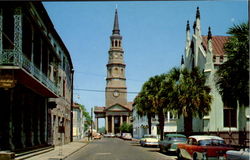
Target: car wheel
x,y
179,156
161,149
195,156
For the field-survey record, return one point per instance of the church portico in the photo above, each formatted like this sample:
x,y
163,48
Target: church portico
x,y
114,117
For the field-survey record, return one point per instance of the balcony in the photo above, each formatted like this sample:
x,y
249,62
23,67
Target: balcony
x,y
27,73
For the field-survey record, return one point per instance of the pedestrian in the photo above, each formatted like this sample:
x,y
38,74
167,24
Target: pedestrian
x,y
88,135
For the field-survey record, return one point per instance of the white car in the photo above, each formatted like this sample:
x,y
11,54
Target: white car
x,y
126,136
243,154
149,140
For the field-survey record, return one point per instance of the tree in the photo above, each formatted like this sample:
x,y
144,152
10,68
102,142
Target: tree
x,y
126,128
233,75
143,106
88,120
152,90
191,96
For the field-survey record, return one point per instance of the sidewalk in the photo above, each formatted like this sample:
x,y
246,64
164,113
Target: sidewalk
x,y
59,152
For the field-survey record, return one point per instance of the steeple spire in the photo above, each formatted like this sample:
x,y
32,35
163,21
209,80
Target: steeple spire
x,y
188,27
182,60
116,29
198,13
209,36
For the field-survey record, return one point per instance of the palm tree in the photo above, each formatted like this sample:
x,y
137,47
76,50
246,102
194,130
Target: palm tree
x,y
232,78
143,107
155,98
233,75
191,96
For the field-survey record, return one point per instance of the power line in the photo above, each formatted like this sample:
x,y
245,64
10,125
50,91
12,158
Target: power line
x,y
101,75
93,90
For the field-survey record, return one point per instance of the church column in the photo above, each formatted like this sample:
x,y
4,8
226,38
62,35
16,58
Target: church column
x,y
106,124
113,125
121,120
96,124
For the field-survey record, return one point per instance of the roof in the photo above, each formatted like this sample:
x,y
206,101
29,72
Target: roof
x,y
218,43
129,105
99,109
175,135
102,109
205,137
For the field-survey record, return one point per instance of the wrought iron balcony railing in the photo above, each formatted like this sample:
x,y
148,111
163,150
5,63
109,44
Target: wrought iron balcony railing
x,y
16,58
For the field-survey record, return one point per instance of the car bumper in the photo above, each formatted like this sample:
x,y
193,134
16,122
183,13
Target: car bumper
x,y
151,143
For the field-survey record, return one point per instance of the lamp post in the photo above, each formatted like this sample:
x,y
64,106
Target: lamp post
x,y
91,123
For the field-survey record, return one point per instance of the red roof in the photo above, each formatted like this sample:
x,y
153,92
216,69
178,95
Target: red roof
x,y
129,105
218,44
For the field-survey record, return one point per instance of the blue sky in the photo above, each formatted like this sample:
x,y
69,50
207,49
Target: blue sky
x,y
153,37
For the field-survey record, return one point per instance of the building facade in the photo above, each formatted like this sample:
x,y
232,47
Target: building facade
x,y
78,122
32,77
207,53
140,124
117,110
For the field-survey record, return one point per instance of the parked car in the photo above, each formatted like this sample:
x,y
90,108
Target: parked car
x,y
97,136
171,141
118,135
126,136
203,147
243,154
109,135
149,140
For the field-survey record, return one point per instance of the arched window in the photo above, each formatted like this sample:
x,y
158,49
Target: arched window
x,y
119,43
116,43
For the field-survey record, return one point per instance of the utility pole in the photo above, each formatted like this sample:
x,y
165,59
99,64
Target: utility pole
x,y
91,123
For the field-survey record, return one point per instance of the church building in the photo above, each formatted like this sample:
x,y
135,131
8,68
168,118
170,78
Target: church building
x,y
207,53
116,110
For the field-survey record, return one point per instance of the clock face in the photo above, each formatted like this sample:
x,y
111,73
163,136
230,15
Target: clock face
x,y
116,93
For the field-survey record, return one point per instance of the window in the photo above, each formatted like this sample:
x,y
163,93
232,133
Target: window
x,y
214,58
221,59
230,117
64,88
8,29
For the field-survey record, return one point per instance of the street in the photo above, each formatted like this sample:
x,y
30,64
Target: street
x,y
118,149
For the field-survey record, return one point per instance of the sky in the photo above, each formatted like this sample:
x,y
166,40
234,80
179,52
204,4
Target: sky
x,y
153,32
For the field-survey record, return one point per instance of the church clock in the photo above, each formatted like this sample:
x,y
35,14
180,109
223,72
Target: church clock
x,y
116,93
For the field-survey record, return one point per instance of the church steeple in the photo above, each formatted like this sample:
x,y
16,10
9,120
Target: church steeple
x,y
116,90
116,29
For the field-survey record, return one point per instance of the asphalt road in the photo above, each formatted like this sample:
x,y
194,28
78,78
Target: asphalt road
x,y
118,149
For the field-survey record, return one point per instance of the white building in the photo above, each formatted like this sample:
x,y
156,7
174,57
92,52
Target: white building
x,y
78,122
140,124
207,53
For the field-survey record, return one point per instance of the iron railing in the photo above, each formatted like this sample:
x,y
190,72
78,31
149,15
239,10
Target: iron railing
x,y
16,58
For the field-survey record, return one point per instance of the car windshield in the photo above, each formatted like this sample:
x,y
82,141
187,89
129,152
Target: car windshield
x,y
149,136
211,142
177,139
